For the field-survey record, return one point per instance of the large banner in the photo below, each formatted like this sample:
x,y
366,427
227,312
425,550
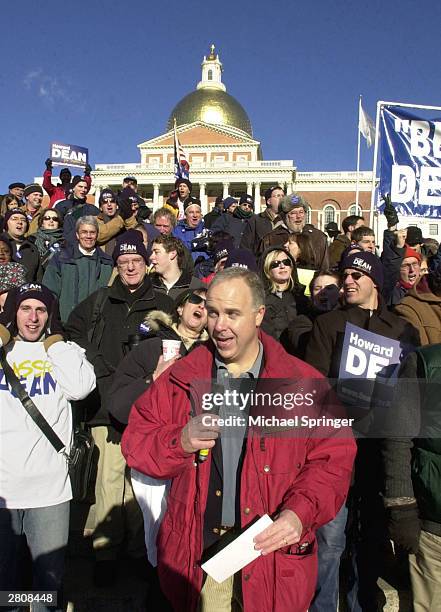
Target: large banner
x,y
410,162
68,155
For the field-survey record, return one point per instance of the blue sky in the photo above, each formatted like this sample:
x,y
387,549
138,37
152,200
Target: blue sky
x,y
106,75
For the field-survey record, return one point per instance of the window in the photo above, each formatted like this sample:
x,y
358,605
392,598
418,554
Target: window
x,y
433,229
210,75
308,215
328,214
355,209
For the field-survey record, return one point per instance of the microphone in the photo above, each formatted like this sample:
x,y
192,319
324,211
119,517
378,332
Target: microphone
x,y
205,452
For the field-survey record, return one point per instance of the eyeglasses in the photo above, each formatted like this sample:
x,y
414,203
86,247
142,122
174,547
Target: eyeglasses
x,y
107,200
196,299
50,218
355,275
123,265
410,266
276,263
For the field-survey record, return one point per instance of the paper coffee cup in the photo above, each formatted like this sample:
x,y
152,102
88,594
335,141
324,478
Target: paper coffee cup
x,y
170,349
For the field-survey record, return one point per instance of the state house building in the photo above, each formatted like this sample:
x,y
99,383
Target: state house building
x,y
226,159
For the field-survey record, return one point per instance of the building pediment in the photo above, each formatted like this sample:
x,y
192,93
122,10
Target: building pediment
x,y
200,133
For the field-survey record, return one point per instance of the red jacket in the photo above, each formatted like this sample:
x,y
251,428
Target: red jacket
x,y
309,475
56,192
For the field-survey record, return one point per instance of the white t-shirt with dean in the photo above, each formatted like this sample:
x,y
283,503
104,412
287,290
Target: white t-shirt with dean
x,y
32,473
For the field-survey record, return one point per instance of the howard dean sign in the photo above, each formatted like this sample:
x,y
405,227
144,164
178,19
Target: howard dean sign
x,y
69,155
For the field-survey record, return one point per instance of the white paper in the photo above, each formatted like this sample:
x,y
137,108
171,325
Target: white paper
x,y
237,554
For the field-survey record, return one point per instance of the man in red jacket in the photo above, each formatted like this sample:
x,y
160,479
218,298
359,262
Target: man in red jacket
x,y
298,476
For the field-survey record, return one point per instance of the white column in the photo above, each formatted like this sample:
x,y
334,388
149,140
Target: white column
x,y
97,196
225,192
250,189
257,198
203,198
155,196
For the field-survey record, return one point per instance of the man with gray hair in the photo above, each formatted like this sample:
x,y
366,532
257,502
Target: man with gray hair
x,y
293,209
224,478
78,269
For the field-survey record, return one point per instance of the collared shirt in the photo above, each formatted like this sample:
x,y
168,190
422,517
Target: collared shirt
x,y
232,437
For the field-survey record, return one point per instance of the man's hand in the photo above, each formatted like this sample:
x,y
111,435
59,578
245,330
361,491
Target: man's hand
x,y
162,366
404,526
125,209
48,163
389,212
200,432
285,531
401,236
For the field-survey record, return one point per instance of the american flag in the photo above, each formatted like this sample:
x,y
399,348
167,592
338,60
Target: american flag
x,y
182,167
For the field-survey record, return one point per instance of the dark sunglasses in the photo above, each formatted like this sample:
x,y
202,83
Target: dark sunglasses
x,y
109,200
276,263
55,218
355,275
196,299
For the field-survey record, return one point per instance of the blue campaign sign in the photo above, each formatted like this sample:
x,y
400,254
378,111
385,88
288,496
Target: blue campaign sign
x,y
68,155
367,359
410,162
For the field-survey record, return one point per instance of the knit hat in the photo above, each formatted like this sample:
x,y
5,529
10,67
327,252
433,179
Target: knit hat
x,y
77,179
32,188
106,193
409,252
365,262
12,274
130,179
192,202
35,291
414,236
229,202
223,249
185,181
241,258
15,185
269,192
291,201
65,171
130,243
245,198
14,211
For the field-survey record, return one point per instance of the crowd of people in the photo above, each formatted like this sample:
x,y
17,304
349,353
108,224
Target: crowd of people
x,y
90,296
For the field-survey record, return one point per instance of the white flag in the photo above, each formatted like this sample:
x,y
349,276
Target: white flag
x,y
366,126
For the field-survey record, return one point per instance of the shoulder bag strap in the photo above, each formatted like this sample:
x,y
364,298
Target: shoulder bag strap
x,y
29,405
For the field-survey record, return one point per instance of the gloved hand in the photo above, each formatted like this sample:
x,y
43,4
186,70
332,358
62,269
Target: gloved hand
x,y
8,317
404,526
389,212
87,170
125,209
48,163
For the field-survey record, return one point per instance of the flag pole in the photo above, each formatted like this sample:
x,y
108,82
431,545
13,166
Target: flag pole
x,y
358,154
374,168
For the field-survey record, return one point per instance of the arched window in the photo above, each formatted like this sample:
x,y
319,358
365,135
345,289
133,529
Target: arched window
x,y
210,75
355,209
308,215
328,214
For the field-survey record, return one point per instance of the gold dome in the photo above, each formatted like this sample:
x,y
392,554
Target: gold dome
x,y
212,106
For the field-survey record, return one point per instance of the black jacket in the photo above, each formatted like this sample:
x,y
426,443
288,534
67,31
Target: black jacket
x,y
326,342
255,229
28,256
105,333
185,281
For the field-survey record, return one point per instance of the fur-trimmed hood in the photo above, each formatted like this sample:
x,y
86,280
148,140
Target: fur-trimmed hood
x,y
161,324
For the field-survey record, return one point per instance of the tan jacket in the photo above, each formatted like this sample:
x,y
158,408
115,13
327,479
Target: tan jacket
x,y
423,310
